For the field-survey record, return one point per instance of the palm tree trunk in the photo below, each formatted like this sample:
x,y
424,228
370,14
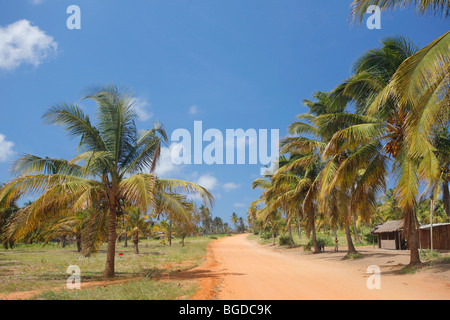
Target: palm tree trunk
x,y
136,242
350,247
313,230
170,233
355,230
79,242
290,237
412,234
63,241
446,197
110,256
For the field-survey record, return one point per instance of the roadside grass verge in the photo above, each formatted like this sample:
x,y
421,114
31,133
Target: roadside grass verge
x,y
144,289
43,268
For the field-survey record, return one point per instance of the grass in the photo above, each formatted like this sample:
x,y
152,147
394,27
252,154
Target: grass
x,y
34,267
145,289
353,255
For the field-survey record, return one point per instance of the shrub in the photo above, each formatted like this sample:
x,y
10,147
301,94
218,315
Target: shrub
x,y
266,235
284,240
371,238
427,254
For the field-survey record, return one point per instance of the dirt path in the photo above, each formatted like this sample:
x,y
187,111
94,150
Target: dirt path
x,y
238,268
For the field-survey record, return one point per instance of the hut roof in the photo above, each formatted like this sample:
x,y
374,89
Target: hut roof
x,y
428,226
389,226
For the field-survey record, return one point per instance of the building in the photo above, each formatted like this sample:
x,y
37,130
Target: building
x,y
441,236
390,235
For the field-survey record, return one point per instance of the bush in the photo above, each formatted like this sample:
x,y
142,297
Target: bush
x,y
371,238
266,235
427,254
284,240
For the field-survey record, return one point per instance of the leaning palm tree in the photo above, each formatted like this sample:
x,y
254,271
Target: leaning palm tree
x,y
107,174
422,83
380,136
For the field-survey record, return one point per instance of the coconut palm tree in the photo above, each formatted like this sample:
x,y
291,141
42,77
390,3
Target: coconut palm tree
x,y
436,7
234,220
420,84
379,134
107,174
138,223
6,213
71,226
337,198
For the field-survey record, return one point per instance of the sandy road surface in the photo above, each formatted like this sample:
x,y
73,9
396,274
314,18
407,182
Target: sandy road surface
x,y
238,268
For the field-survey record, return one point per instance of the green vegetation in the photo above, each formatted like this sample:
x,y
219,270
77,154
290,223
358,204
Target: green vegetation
x,y
388,120
34,267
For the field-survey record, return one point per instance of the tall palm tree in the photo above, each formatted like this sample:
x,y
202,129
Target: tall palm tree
x,y
107,174
379,134
337,198
423,83
234,220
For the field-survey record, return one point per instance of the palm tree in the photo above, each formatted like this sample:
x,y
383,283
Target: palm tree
x,y
6,213
138,223
337,198
251,217
422,84
437,7
389,208
206,219
234,220
441,143
379,135
71,226
107,174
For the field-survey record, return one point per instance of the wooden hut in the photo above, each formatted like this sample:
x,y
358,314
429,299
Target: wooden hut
x,y
441,236
390,235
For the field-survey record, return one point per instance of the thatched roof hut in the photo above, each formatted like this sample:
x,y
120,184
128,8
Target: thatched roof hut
x,y
389,226
390,235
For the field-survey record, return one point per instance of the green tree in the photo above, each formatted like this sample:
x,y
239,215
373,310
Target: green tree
x,y
107,173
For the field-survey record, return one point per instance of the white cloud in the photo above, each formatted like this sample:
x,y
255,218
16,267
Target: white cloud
x,y
239,205
165,164
193,110
207,181
36,1
6,148
20,42
230,186
141,106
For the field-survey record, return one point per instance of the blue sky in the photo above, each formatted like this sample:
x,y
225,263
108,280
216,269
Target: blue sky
x,y
231,64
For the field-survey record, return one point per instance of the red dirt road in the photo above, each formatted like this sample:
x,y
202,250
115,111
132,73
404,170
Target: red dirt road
x,y
238,268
